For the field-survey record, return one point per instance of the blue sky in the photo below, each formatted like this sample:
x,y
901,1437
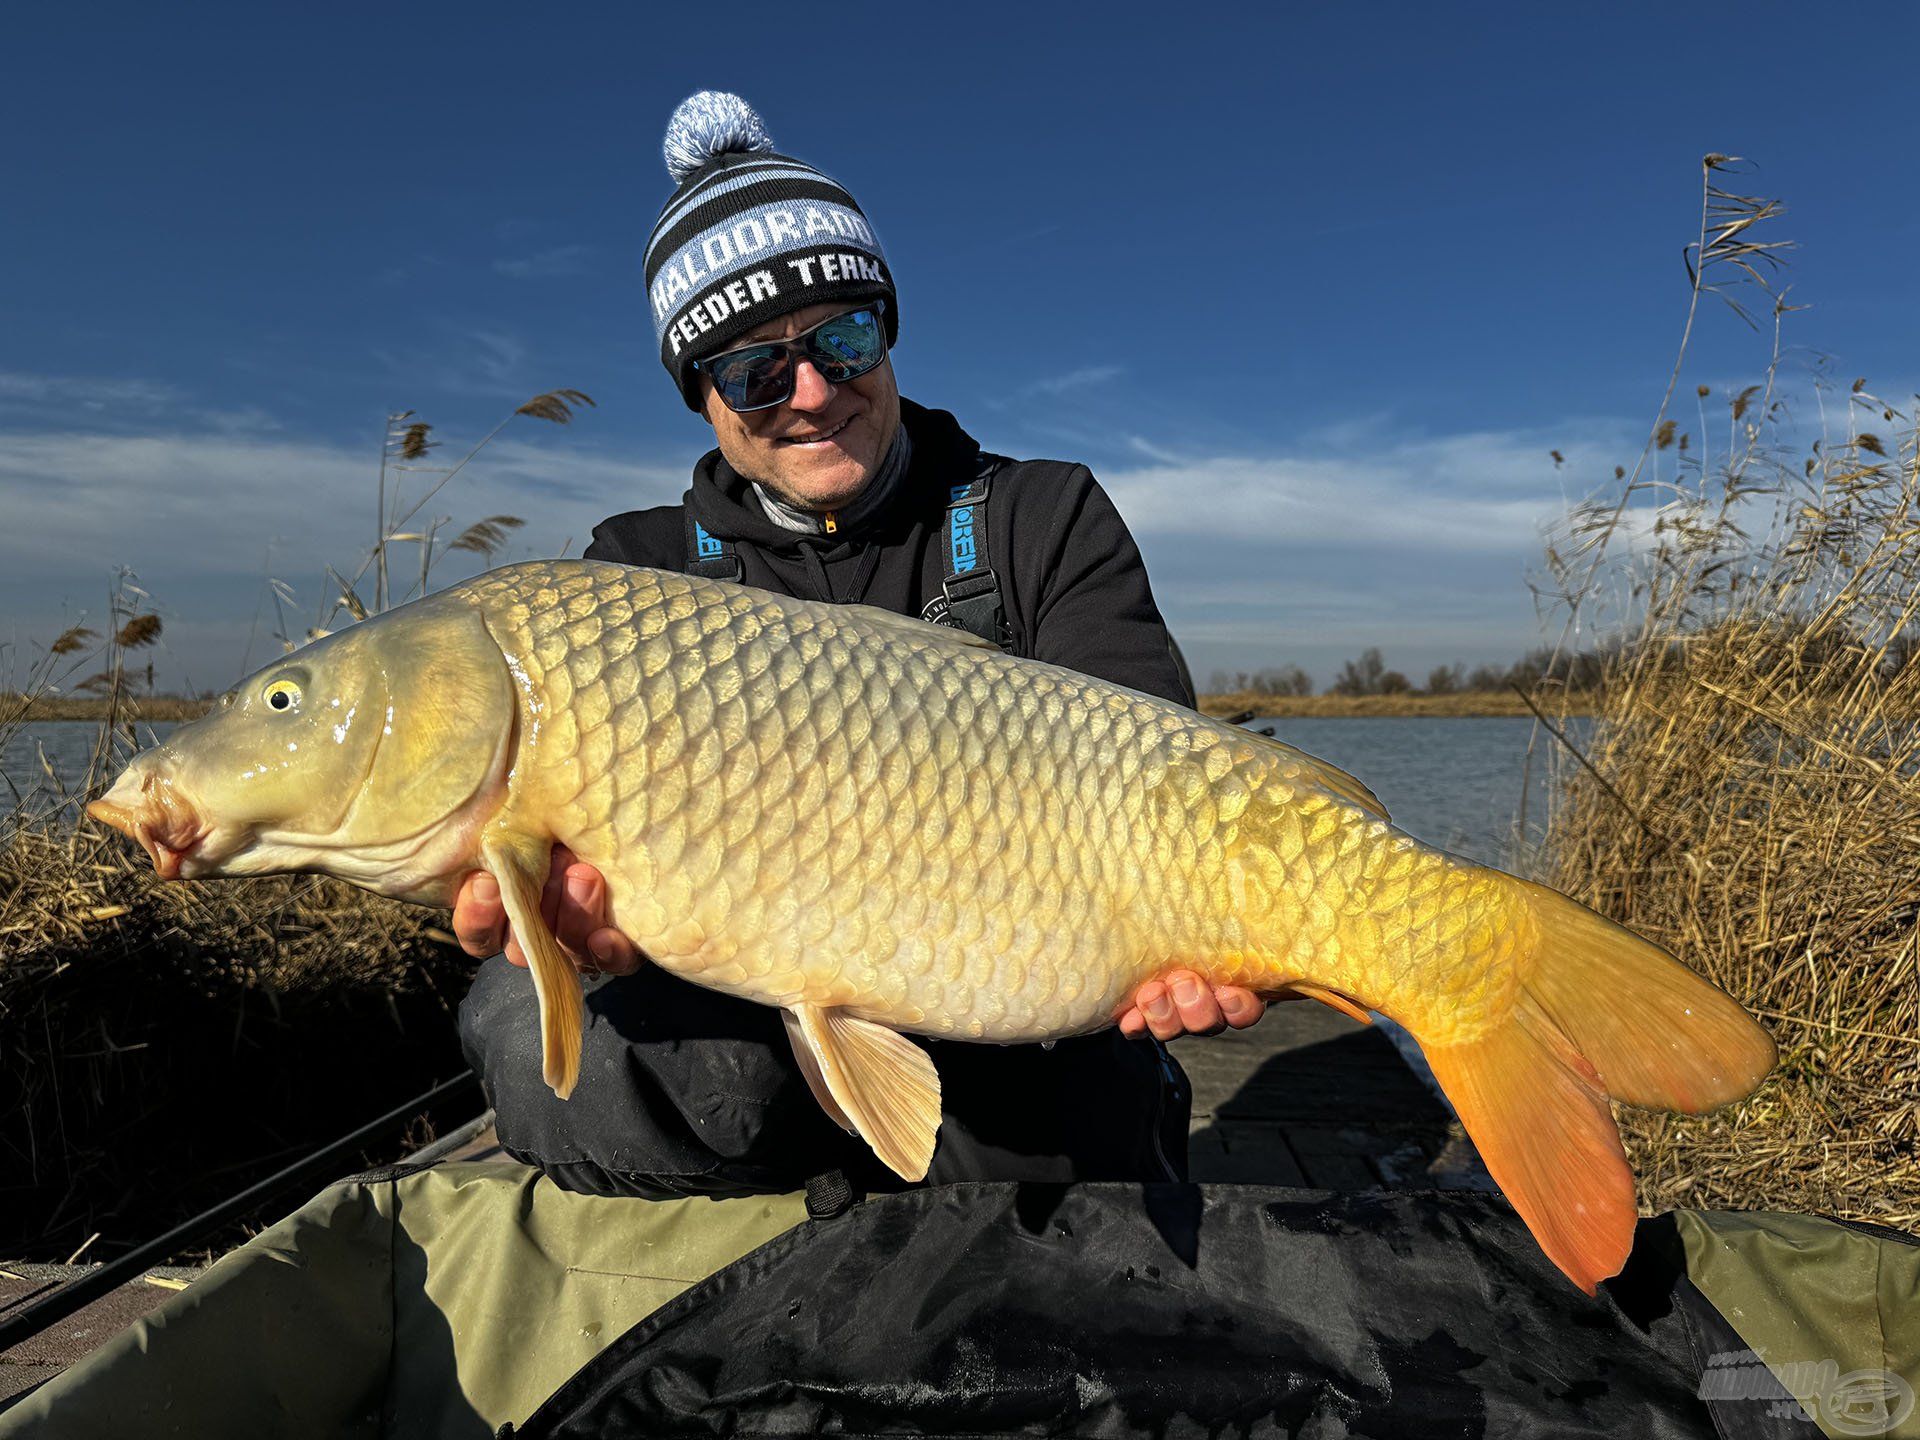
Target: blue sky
x,y
1315,289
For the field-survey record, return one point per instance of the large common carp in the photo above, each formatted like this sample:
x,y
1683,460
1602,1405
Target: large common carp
x,y
883,826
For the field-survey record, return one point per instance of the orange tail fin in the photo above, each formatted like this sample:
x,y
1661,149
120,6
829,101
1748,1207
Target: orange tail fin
x,y
1602,1013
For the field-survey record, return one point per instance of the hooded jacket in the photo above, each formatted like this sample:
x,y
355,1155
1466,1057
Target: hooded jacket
x,y
660,1114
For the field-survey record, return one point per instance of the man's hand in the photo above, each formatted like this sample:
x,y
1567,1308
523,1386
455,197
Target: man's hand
x,y
574,904
1181,1003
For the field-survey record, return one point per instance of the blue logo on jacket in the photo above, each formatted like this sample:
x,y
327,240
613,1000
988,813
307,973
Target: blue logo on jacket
x,y
704,544
960,526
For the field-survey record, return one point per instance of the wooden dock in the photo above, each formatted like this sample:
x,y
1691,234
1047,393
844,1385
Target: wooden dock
x,y
1309,1097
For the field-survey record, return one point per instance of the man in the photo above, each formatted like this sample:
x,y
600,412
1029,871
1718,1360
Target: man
x,y
776,311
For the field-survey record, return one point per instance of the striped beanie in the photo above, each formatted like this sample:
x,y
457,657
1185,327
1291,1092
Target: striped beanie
x,y
749,234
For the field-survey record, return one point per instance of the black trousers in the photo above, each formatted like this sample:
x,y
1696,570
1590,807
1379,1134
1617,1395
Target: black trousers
x,y
686,1091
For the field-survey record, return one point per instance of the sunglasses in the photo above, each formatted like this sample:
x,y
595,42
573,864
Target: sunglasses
x,y
758,377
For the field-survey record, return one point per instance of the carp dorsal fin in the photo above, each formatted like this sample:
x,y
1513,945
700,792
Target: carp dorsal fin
x,y
519,862
912,627
1326,775
878,1083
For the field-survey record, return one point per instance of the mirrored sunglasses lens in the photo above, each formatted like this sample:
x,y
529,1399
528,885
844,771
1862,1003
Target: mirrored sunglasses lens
x,y
848,345
754,379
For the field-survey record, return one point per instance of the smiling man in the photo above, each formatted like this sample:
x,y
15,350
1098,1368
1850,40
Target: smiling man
x,y
776,315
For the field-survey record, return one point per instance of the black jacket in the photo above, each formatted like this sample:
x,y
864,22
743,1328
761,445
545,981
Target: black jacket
x,y
730,1113
1075,591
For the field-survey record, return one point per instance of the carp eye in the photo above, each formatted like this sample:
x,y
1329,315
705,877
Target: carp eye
x,y
282,695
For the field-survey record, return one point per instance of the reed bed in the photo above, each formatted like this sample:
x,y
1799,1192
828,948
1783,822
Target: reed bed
x,y
1749,794
162,1045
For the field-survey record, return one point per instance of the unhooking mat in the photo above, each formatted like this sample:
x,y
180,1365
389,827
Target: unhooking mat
x,y
455,1301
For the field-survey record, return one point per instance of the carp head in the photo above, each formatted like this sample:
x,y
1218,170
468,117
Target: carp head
x,y
375,755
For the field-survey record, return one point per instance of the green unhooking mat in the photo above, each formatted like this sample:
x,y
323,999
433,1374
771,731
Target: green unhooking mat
x,y
455,1301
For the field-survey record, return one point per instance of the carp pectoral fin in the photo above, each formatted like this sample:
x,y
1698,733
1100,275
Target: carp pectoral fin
x,y
810,1068
877,1079
1344,1004
520,864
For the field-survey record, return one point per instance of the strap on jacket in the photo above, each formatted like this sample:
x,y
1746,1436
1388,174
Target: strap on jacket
x,y
972,587
707,554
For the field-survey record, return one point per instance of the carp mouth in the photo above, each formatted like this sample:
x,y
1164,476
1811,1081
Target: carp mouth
x,y
157,816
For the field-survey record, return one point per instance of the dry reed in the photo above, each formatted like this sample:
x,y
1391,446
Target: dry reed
x,y
1754,796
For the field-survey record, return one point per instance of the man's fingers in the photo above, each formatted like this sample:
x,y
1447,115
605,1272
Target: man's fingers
x,y
1240,1007
1159,1011
1199,1011
553,893
612,952
479,917
1181,1003
583,910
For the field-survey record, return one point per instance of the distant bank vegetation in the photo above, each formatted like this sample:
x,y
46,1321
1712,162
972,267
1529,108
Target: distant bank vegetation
x,y
1367,687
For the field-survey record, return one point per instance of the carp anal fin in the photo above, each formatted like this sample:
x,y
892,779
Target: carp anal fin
x,y
878,1080
520,864
1333,999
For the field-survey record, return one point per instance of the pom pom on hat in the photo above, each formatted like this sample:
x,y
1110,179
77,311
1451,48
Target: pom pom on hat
x,y
710,123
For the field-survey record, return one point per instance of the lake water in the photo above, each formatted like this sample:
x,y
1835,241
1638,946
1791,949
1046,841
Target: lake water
x,y
62,746
1452,782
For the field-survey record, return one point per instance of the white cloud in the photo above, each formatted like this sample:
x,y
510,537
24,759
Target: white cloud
x,y
1486,493
88,393
203,517
559,260
1085,378
1419,544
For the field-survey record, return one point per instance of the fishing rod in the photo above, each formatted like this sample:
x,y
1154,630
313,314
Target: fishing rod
x,y
61,1302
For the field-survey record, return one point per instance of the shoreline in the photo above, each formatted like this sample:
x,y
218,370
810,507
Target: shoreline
x,y
1476,704
66,707
1503,704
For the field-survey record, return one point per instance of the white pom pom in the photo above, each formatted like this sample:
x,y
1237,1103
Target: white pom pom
x,y
712,123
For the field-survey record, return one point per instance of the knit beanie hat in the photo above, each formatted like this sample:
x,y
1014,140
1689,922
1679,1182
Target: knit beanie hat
x,y
749,235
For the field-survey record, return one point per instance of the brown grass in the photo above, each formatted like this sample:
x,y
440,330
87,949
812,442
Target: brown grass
x,y
1757,804
27,709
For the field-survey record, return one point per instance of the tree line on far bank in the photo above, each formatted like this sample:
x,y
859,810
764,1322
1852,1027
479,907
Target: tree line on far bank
x,y
1774,649
1369,675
